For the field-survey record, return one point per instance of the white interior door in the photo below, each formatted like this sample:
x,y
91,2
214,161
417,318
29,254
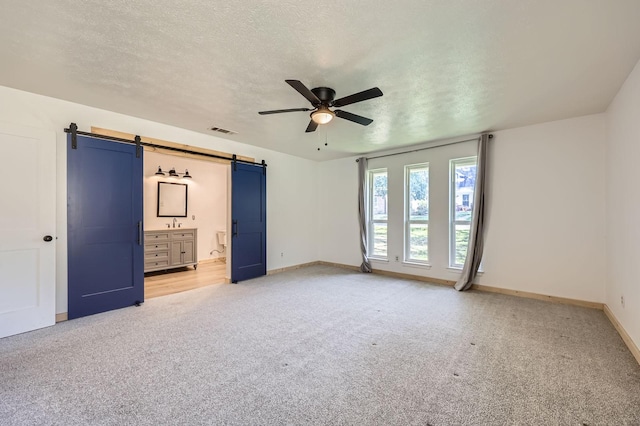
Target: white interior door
x,y
27,216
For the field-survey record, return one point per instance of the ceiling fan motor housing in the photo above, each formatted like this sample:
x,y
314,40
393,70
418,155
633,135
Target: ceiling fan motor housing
x,y
325,94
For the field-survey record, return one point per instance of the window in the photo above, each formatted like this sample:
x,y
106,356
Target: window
x,y
378,213
416,224
462,184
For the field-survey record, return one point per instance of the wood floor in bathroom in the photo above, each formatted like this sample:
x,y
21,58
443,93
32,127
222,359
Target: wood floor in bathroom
x,y
176,280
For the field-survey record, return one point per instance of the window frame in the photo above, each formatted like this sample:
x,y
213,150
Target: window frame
x,y
370,220
407,212
463,161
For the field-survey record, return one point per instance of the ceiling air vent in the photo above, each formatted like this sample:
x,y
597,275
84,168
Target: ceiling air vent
x,y
221,130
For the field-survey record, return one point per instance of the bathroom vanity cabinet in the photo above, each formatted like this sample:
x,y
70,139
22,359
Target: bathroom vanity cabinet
x,y
170,248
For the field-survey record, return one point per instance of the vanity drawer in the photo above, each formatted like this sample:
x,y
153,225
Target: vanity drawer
x,y
156,255
170,248
157,246
159,236
157,264
186,235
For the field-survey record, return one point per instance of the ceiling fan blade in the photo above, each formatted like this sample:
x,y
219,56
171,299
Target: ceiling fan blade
x,y
353,117
278,111
358,97
312,126
304,91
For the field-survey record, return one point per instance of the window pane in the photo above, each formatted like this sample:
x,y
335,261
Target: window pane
x,y
465,179
419,193
462,241
418,241
380,239
379,195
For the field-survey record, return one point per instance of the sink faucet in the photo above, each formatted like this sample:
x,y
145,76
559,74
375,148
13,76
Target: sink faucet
x,y
174,221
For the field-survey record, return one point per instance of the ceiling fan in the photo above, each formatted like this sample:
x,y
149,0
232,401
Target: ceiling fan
x,y
321,99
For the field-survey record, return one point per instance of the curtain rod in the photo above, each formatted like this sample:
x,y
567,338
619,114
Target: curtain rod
x,y
422,149
73,129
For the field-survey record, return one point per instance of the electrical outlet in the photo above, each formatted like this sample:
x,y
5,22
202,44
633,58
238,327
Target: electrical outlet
x,y
281,254
397,258
622,301
193,217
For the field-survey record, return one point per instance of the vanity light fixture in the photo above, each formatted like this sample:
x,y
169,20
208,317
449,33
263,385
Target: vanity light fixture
x,y
173,173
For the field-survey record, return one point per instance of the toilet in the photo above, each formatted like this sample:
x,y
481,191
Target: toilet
x,y
222,238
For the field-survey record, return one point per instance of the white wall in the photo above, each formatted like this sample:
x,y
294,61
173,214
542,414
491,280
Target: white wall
x,y
623,205
546,210
338,193
545,219
292,213
206,203
292,202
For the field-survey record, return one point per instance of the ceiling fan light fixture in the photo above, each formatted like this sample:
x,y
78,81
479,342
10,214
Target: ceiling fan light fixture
x,y
322,115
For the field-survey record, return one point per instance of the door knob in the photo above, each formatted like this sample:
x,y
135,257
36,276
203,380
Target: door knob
x,y
48,238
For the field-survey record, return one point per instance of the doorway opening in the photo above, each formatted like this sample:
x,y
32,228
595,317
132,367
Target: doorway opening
x,y
186,211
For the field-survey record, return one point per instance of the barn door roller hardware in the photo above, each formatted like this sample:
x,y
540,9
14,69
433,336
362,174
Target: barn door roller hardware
x,y
74,135
138,142
73,129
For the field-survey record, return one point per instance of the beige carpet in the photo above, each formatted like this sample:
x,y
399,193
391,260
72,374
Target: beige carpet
x,y
321,345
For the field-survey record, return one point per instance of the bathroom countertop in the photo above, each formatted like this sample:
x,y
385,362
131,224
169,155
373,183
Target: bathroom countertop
x,y
170,229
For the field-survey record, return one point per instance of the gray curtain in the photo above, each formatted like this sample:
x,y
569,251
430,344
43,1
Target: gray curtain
x,y
476,234
362,213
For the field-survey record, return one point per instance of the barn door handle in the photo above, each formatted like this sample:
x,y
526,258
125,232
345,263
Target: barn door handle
x,y
140,233
234,232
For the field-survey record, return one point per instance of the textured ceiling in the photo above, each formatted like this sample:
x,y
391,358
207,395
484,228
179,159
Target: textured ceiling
x,y
447,68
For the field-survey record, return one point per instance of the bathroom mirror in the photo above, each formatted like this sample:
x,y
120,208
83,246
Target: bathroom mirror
x,y
172,199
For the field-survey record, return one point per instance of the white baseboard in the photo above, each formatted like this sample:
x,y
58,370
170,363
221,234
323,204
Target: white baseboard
x,y
339,265
623,333
538,296
213,260
290,268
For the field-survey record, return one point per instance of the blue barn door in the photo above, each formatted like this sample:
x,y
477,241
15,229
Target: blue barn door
x,y
104,215
249,221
